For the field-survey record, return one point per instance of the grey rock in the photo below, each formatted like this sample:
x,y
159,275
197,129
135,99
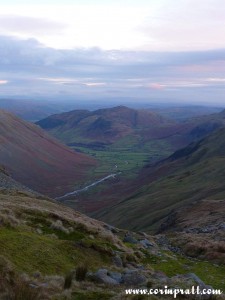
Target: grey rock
x,y
117,261
111,228
103,276
133,278
116,276
160,276
222,226
201,285
198,280
146,243
129,239
33,286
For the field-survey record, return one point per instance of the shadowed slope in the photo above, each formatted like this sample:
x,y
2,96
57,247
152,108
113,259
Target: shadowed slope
x,y
172,187
38,160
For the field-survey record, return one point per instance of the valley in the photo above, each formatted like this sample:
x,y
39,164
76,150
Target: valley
x,y
112,150
155,188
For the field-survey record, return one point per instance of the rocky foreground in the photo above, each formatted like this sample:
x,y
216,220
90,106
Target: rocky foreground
x,y
49,251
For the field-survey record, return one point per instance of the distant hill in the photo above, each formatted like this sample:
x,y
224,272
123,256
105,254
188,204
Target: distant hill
x,y
185,112
166,195
37,160
107,126
103,125
30,110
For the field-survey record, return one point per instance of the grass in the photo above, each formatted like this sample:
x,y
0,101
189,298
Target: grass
x,y
152,203
45,225
128,155
172,265
26,251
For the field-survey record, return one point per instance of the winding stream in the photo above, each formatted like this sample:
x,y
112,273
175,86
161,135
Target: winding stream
x,y
86,188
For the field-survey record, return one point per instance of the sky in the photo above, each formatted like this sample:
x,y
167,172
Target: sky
x,y
145,50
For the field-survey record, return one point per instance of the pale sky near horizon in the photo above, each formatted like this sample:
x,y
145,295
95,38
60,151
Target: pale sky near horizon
x,y
181,42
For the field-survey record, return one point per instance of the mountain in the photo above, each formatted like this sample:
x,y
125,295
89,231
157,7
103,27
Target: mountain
x,y
106,126
120,138
142,138
37,160
185,190
103,125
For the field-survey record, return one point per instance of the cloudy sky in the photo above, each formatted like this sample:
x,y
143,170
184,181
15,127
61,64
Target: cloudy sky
x,y
146,50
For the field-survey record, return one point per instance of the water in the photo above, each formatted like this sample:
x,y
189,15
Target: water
x,y
86,188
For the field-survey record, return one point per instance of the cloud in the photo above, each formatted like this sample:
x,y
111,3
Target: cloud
x,y
3,82
94,84
157,86
31,68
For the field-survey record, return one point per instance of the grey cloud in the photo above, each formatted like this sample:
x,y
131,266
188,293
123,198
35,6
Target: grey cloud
x,y
32,68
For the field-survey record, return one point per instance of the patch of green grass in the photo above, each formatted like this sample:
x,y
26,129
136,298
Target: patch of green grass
x,y
30,252
209,273
127,155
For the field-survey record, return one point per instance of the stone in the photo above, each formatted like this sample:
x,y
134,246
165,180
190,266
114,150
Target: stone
x,y
103,276
116,276
129,239
111,228
146,243
133,278
198,281
117,261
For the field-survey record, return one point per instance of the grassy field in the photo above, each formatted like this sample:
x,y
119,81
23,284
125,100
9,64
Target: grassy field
x,y
128,155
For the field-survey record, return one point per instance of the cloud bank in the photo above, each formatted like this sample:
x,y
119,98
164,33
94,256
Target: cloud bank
x,y
28,68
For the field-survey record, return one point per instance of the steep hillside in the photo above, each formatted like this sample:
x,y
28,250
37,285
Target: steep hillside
x,y
37,160
166,195
49,251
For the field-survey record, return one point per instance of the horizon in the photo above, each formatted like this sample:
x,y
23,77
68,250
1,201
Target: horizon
x,y
153,51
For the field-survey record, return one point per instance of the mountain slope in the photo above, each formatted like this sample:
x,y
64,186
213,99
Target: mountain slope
x,y
49,251
37,160
172,186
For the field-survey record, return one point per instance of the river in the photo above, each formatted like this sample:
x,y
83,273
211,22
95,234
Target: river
x,y
86,188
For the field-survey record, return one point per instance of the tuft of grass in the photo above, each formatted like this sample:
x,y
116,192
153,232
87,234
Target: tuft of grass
x,y
68,280
81,272
23,291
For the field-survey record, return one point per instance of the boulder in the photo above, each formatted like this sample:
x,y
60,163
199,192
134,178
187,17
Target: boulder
x,y
116,276
129,239
199,282
146,243
117,261
133,278
103,276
